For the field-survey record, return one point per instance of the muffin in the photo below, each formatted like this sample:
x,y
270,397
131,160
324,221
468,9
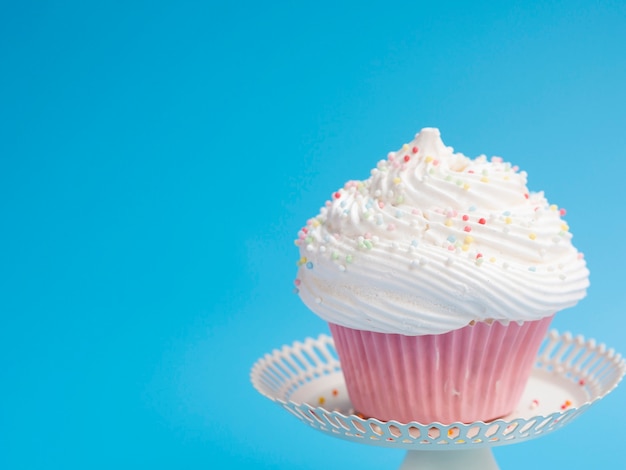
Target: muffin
x,y
438,276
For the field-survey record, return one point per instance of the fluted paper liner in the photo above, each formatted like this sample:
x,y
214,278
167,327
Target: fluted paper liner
x,y
475,373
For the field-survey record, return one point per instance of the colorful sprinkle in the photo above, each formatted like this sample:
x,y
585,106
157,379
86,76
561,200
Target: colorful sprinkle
x,y
532,236
482,221
414,150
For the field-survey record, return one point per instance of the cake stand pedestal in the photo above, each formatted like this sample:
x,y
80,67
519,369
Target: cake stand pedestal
x,y
569,376
471,459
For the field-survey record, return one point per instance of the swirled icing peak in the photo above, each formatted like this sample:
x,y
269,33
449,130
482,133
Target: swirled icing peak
x,y
433,241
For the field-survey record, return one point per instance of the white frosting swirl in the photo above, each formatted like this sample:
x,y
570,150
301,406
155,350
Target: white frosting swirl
x,y
434,240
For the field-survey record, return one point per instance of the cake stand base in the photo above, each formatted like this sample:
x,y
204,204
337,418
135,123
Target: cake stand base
x,y
471,459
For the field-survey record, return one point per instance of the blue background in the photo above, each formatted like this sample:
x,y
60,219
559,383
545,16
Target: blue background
x,y
157,160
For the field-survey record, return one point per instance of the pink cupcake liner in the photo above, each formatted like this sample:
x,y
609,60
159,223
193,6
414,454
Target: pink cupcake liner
x,y
475,373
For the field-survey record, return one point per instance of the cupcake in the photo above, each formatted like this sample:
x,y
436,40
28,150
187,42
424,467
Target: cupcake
x,y
439,276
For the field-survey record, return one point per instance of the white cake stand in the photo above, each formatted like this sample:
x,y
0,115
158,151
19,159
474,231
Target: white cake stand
x,y
569,376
